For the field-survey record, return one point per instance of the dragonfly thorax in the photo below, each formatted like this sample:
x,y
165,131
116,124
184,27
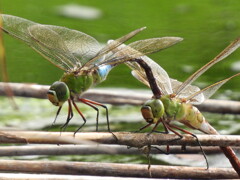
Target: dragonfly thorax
x,y
58,93
77,83
152,110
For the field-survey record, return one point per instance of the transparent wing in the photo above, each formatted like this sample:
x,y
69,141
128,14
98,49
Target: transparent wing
x,y
71,46
79,44
160,75
111,46
136,50
190,89
138,72
17,27
140,48
210,90
226,52
51,45
167,85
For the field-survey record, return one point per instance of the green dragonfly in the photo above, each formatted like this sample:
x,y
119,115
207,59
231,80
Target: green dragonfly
x,y
79,56
174,101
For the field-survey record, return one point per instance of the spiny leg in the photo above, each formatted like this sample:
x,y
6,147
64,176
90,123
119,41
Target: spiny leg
x,y
166,126
144,127
166,153
88,102
99,104
166,132
155,126
153,130
187,132
79,112
69,117
94,107
58,111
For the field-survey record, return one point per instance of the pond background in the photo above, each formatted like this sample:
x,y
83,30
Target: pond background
x,y
207,27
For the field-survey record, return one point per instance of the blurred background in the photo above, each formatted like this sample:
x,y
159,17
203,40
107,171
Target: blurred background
x,y
207,26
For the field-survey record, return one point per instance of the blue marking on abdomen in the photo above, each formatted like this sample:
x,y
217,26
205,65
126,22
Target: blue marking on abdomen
x,y
104,70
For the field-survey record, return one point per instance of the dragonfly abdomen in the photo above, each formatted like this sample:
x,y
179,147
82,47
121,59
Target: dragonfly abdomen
x,y
189,115
193,118
186,113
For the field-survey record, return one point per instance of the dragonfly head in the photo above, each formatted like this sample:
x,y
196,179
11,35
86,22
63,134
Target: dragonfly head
x,y
58,93
152,110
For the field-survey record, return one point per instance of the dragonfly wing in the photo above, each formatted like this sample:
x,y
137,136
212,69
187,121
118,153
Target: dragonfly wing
x,y
210,90
53,45
17,27
137,49
81,45
190,89
66,47
112,45
160,75
138,72
141,78
140,48
226,52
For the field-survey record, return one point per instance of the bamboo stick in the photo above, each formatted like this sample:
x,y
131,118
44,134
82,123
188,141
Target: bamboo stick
x,y
114,169
116,96
24,176
96,149
122,138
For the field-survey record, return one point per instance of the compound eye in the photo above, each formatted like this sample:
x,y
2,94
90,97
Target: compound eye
x,y
58,93
53,97
147,114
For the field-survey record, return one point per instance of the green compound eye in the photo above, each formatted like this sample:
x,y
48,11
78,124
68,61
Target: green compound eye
x,y
58,93
152,110
147,114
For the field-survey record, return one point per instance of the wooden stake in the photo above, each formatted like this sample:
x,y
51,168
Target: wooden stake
x,y
117,96
123,138
113,169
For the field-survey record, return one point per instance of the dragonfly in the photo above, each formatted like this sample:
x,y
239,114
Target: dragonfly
x,y
175,101
79,55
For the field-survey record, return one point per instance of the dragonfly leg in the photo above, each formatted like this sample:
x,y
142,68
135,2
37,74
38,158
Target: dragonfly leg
x,y
58,111
90,103
80,113
94,107
144,127
69,117
162,132
153,130
187,132
167,128
160,150
155,126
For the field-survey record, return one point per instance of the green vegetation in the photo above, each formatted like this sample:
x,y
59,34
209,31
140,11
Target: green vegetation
x,y
207,27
